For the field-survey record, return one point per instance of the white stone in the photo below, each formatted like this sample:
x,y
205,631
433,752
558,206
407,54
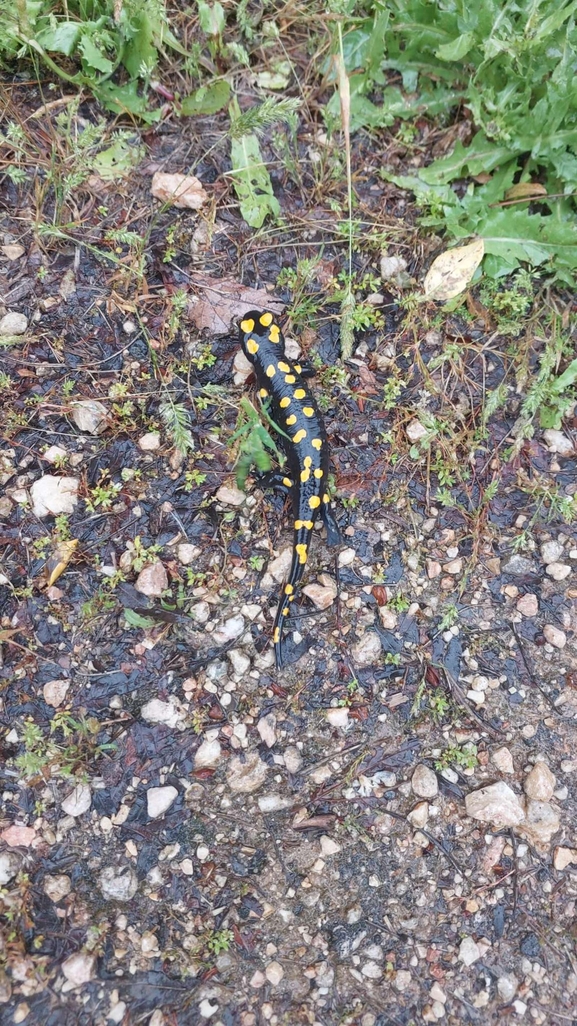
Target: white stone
x,y
230,629
53,495
564,857
157,711
368,650
346,557
54,453
558,571
391,266
79,968
54,692
149,442
152,580
507,987
372,970
206,1009
10,864
13,324
118,883
230,496
90,416
454,567
551,552
338,717
187,553
496,804
541,822
274,973
415,430
419,816
12,251
246,775
293,759
239,661
424,782
160,799
469,951
539,783
503,760
528,605
266,727
78,801
402,980
207,755
274,802
321,597
554,636
558,442
328,846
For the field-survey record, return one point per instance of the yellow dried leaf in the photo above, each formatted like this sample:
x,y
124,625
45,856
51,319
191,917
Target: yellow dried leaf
x,y
59,560
524,190
452,271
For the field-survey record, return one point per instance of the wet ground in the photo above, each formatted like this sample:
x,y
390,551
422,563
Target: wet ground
x,y
189,835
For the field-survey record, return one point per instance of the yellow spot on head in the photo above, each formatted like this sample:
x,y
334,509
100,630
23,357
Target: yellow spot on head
x,y
302,552
287,482
266,319
299,435
270,371
318,473
284,367
285,401
252,346
308,411
308,524
291,420
247,325
288,589
263,393
276,635
305,474
298,368
299,393
274,333
314,502
316,443
290,379
326,498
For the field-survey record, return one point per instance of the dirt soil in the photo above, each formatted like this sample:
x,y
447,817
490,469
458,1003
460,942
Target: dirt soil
x,y
188,835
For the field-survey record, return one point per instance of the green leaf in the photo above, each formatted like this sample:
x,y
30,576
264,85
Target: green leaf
x,y
457,49
206,100
118,159
136,620
480,155
125,99
212,19
140,51
252,182
94,57
566,379
61,39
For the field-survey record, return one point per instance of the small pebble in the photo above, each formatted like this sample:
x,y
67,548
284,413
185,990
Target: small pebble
x,y
424,782
13,324
554,636
558,571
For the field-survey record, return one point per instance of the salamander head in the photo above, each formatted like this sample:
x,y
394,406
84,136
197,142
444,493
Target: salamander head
x,y
258,327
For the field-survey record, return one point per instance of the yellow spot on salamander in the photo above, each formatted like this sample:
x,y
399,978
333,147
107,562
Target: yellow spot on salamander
x,y
276,635
318,473
274,333
288,589
270,371
308,411
286,611
316,443
247,325
284,367
314,502
290,379
299,435
266,319
285,401
298,368
326,498
308,524
287,482
305,474
300,393
302,552
291,420
308,461
252,346
263,393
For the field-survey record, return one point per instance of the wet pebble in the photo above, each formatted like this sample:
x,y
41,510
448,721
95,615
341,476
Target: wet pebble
x,y
274,973
239,661
246,775
321,597
519,566
78,969
53,495
368,650
90,416
558,442
415,430
528,605
78,801
207,754
551,552
372,970
159,800
54,692
507,987
266,727
496,804
564,857
187,553
424,782
230,496
57,887
541,822
157,711
152,580
469,951
554,636
13,324
149,442
10,864
558,571
539,783
338,717
503,760
293,759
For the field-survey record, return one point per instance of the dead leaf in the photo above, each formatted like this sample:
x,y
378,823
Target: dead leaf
x,y
178,190
524,190
59,560
451,272
222,300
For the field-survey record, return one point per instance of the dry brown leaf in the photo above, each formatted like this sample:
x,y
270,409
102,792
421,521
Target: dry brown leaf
x,y
178,190
524,190
222,300
452,271
59,560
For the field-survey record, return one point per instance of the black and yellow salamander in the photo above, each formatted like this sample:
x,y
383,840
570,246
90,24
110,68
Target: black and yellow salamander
x,y
304,441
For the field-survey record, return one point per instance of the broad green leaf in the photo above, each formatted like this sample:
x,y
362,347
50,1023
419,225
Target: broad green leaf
x,y
252,182
136,620
566,379
125,99
206,100
480,155
94,57
140,51
119,158
61,39
212,19
457,49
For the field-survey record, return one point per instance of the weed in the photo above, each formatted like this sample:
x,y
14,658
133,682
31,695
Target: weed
x,y
193,479
102,495
255,446
399,603
175,418
454,755
67,749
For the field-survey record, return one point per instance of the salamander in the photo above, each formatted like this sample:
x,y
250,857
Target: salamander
x,y
304,440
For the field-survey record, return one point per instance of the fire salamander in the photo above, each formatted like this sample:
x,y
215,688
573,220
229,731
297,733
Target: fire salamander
x,y
304,440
